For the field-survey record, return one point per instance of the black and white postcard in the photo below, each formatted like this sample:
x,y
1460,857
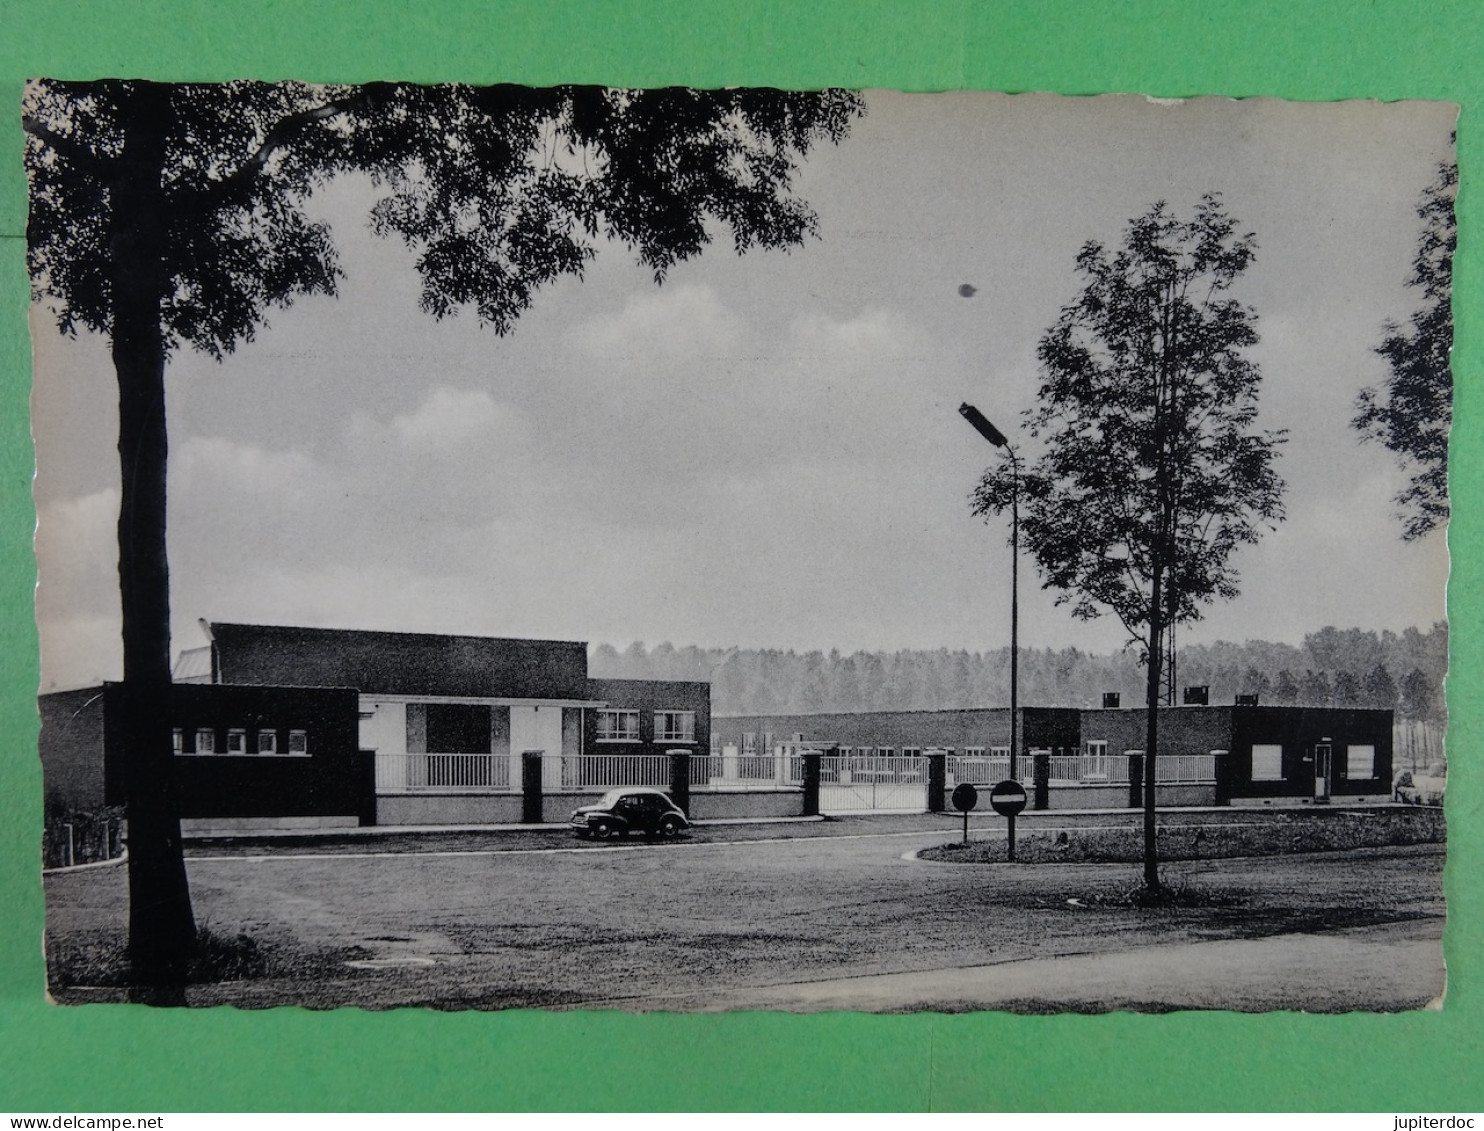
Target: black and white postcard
x,y
689,550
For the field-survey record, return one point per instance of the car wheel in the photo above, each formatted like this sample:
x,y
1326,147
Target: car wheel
x,y
602,830
669,828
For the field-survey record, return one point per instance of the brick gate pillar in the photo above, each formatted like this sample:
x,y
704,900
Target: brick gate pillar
x,y
530,787
937,766
1222,760
1135,779
680,779
1041,781
811,783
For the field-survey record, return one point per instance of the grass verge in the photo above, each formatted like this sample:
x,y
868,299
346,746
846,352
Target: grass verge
x,y
1264,833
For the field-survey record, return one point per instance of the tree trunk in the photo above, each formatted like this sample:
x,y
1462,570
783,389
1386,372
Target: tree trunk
x,y
1151,729
162,929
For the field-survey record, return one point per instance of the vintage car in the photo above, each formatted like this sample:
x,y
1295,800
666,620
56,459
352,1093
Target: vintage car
x,y
630,809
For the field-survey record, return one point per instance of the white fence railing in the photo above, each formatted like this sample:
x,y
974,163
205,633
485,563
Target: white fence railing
x,y
418,773
778,770
854,769
1083,769
604,771
500,773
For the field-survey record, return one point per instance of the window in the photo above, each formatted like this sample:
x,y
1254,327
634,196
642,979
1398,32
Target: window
x,y
1267,763
298,742
911,752
618,726
1097,749
749,744
999,752
236,741
205,741
177,740
973,752
267,741
675,726
1360,762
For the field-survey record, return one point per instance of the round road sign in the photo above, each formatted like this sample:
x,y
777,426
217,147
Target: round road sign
x,y
965,797
1007,798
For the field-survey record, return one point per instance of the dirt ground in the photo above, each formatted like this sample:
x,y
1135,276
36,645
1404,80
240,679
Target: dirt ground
x,y
542,922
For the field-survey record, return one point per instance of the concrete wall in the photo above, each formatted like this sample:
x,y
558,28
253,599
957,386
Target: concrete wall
x,y
725,804
227,826
449,809
557,806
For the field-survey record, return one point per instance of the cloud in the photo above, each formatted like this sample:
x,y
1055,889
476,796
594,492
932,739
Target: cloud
x,y
864,340
77,552
216,461
453,416
685,321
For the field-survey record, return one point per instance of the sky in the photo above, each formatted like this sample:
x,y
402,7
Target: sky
x,y
766,450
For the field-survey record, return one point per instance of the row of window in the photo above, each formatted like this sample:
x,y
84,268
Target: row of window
x,y
242,740
669,726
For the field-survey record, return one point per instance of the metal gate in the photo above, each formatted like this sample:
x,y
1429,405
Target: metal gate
x,y
864,783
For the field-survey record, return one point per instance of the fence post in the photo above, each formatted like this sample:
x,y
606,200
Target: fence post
x,y
811,783
1221,759
937,763
680,779
1041,781
530,786
1135,779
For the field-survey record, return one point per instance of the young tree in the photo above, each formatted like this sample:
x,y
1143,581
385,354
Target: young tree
x,y
1380,688
1347,691
1154,471
1416,696
1411,412
1285,689
171,215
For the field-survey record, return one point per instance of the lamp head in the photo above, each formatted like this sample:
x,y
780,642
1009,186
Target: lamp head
x,y
983,426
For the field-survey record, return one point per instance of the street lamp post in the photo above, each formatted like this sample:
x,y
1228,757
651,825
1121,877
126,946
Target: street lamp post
x,y
982,425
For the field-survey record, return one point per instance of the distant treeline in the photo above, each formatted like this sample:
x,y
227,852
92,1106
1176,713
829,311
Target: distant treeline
x,y
1334,667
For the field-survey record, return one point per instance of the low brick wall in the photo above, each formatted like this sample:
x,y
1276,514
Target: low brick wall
x,y
448,809
1116,796
723,804
226,826
556,808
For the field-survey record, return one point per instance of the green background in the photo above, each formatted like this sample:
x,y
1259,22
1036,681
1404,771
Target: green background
x,y
118,1058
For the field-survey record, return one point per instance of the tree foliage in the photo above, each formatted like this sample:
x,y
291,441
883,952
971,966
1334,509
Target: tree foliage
x,y
1411,412
1152,467
751,681
500,189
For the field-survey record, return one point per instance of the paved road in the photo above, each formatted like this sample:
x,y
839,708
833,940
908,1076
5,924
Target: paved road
x,y
1249,975
841,921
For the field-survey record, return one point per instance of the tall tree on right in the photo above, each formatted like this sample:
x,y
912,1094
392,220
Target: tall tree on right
x,y
1153,471
1410,413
